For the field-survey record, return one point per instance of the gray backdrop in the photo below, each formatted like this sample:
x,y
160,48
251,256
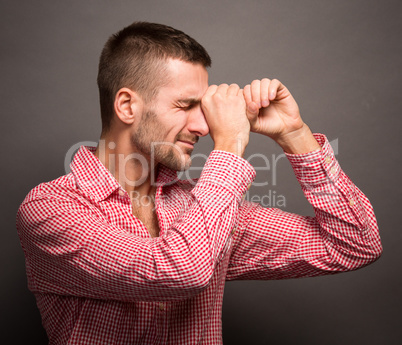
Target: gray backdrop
x,y
340,59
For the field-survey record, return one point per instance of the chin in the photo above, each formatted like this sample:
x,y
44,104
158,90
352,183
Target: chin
x,y
185,166
177,163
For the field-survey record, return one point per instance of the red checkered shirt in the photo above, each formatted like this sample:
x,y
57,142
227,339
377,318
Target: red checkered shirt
x,y
99,278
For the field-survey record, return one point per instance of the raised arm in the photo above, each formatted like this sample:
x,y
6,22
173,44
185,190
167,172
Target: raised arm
x,y
72,248
343,235
273,244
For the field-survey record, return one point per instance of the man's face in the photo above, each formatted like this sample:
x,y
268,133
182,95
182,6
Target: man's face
x,y
173,121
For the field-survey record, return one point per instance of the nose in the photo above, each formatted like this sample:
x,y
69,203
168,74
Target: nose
x,y
196,123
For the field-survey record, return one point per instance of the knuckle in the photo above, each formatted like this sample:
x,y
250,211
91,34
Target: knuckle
x,y
217,96
255,83
212,89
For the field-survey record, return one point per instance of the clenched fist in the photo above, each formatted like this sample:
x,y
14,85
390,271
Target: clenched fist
x,y
224,108
272,111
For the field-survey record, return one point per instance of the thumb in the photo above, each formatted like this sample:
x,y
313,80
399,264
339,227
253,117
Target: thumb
x,y
252,111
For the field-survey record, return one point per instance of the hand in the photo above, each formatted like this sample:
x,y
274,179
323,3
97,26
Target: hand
x,y
224,108
272,111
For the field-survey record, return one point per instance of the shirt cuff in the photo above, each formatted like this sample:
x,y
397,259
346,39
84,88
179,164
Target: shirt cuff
x,y
228,170
316,167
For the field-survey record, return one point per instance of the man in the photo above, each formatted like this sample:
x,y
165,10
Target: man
x,y
107,268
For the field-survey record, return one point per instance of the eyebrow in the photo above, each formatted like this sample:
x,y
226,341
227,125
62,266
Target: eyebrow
x,y
189,101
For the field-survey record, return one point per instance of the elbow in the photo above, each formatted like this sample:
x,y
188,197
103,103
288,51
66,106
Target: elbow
x,y
372,249
376,252
363,250
199,279
368,258
363,256
191,287
185,275
353,255
188,282
372,241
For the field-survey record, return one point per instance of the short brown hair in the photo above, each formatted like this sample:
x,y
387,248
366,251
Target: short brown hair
x,y
134,58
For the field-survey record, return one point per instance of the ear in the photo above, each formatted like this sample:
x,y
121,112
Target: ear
x,y
127,105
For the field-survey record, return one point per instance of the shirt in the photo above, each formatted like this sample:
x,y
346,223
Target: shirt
x,y
99,278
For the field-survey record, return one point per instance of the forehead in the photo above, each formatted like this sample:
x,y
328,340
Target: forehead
x,y
185,80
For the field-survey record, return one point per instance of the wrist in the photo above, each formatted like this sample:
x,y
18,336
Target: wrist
x,y
299,141
235,146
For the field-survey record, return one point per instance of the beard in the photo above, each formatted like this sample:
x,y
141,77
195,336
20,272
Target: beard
x,y
149,139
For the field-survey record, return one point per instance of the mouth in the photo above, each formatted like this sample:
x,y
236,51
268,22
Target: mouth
x,y
187,143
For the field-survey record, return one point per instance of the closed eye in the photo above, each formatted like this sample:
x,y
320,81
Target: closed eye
x,y
188,104
189,107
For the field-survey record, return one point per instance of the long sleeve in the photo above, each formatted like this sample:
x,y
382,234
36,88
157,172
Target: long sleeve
x,y
343,235
73,249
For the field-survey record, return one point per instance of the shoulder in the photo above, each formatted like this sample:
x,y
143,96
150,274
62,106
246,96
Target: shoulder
x,y
60,187
52,199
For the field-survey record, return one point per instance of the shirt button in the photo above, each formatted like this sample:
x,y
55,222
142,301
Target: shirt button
x,y
351,202
161,306
121,192
328,159
333,170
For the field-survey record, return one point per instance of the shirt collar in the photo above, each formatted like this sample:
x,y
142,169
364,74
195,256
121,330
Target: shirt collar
x,y
97,182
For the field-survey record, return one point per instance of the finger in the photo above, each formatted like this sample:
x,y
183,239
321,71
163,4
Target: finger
x,y
247,94
222,89
256,92
274,86
252,108
233,89
252,111
264,92
210,91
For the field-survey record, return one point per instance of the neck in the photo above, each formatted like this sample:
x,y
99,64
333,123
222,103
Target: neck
x,y
131,169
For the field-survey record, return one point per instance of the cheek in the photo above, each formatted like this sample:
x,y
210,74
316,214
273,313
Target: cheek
x,y
173,128
172,134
